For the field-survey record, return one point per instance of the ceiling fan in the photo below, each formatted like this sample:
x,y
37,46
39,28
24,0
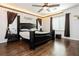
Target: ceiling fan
x,y
45,5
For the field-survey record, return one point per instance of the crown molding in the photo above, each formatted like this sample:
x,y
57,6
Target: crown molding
x,y
53,14
19,10
28,12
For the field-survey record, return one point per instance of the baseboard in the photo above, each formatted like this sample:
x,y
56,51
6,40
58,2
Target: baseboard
x,y
70,38
5,40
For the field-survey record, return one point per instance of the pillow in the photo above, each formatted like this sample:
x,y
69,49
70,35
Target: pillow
x,y
33,29
24,30
38,32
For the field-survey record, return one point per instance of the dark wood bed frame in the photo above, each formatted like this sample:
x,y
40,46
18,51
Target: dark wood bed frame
x,y
36,39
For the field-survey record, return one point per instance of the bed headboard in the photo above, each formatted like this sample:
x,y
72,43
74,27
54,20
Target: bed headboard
x,y
27,25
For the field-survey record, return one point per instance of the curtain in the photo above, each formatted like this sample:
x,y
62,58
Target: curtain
x,y
36,23
39,21
10,18
51,28
67,25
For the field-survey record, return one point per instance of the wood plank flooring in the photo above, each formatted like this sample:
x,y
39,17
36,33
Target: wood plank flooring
x,y
59,47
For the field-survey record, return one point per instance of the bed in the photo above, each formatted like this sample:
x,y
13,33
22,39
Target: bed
x,y
28,31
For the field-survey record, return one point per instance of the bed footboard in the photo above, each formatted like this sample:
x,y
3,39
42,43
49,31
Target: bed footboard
x,y
32,38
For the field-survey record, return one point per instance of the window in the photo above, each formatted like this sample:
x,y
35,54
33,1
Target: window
x,y
58,23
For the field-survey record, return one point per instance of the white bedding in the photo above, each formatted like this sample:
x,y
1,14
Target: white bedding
x,y
33,29
25,30
25,35
38,32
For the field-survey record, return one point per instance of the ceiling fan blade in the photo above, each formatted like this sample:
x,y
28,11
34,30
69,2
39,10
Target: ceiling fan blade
x,y
37,5
45,3
40,10
53,5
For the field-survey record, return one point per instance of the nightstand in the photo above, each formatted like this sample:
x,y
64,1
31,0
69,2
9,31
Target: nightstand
x,y
58,36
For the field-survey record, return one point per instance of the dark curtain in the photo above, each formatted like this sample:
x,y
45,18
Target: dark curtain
x,y
40,22
51,28
36,23
10,18
67,25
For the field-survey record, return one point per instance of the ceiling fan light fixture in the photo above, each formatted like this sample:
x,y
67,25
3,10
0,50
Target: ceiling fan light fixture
x,y
46,7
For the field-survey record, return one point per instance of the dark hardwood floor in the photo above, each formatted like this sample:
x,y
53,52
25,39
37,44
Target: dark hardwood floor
x,y
59,47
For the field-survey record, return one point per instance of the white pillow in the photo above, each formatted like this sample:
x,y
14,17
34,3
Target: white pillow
x,y
39,32
33,29
25,30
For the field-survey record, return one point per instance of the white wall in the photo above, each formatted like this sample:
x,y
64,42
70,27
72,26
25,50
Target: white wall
x,y
3,25
46,24
3,22
25,18
74,22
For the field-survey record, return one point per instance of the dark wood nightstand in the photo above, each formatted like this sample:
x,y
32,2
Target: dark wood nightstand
x,y
58,36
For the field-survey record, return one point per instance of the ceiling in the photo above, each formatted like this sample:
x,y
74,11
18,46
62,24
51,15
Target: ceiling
x,y
53,10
